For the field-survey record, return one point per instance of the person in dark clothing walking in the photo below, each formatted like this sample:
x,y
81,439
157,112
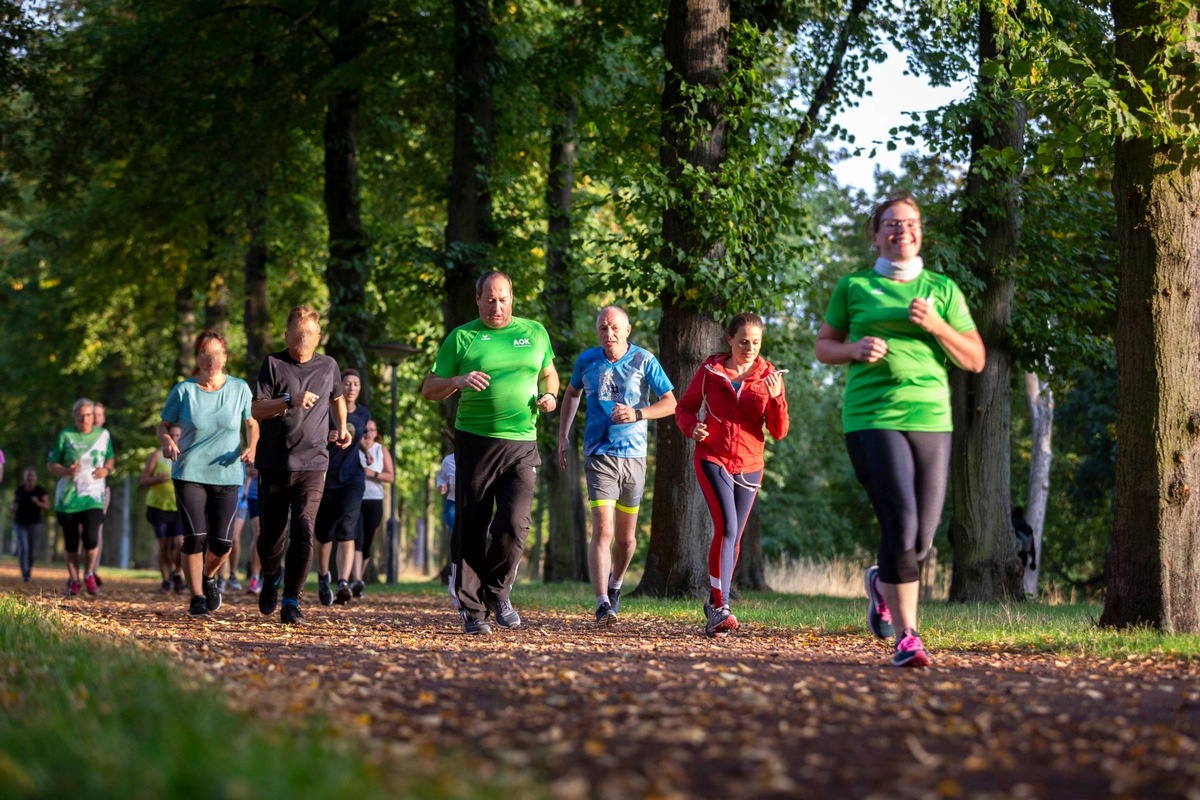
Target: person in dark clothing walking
x,y
297,393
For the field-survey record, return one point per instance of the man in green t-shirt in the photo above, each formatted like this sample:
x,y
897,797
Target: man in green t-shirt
x,y
82,457
504,366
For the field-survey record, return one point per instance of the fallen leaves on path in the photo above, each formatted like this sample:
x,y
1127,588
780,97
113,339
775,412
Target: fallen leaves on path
x,y
654,709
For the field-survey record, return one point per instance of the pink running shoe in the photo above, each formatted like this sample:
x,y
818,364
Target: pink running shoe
x,y
255,585
910,652
89,583
879,618
72,588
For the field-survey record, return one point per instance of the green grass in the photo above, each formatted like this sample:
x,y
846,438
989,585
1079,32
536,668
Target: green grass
x,y
83,716
1066,629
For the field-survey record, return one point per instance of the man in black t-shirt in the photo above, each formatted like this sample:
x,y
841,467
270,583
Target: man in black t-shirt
x,y
29,501
298,392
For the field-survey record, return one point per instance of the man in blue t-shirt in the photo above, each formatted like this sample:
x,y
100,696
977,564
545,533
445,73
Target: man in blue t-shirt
x,y
618,378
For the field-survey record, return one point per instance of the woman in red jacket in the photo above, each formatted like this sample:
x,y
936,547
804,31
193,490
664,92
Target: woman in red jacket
x,y
732,396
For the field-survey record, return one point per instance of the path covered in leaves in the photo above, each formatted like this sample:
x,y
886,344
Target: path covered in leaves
x,y
654,709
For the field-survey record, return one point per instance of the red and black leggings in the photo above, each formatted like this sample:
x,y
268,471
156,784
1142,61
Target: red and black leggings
x,y
730,498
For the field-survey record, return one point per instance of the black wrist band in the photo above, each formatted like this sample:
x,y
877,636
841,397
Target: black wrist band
x,y
637,412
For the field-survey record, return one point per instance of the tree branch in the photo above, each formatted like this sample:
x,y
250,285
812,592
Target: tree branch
x,y
825,90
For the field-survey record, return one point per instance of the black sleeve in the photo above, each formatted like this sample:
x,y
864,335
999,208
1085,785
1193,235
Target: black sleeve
x,y
264,389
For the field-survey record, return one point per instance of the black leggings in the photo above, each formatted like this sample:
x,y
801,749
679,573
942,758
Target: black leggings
x,y
372,515
208,512
904,473
288,502
81,527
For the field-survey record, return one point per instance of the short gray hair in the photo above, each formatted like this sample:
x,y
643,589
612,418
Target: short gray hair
x,y
80,403
618,309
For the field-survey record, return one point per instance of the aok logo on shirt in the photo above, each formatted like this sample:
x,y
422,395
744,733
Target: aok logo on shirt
x,y
522,343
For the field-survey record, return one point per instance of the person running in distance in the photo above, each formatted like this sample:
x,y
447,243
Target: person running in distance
x,y
731,399
82,457
377,467
341,503
617,378
504,367
29,501
101,421
162,512
209,408
898,325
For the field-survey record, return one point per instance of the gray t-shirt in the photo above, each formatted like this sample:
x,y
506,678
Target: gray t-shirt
x,y
297,441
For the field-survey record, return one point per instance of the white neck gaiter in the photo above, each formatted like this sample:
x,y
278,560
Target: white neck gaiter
x,y
900,270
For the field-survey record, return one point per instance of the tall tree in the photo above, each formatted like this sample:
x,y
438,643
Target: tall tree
x,y
696,45
1154,570
346,271
985,562
566,545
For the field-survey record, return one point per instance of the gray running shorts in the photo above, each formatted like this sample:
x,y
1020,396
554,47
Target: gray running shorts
x,y
615,481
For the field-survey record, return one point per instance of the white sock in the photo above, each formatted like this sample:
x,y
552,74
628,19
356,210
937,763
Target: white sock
x,y
601,600
613,583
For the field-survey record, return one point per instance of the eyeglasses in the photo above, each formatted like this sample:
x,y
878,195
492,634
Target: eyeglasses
x,y
893,225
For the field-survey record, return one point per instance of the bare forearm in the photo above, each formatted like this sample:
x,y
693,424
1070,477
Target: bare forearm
x,y
436,388
663,407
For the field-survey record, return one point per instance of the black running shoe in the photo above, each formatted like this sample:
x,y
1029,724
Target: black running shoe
x,y
614,599
289,613
357,588
212,593
605,616
199,607
324,593
343,593
475,627
268,598
506,615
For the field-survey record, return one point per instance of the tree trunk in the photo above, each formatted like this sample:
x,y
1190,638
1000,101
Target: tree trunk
x,y
1041,414
256,313
985,561
346,270
1154,559
185,327
566,548
696,43
470,234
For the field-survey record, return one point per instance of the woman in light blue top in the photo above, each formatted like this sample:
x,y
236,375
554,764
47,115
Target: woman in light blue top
x,y
210,408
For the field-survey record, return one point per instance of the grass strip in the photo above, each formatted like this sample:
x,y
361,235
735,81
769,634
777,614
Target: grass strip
x,y
83,716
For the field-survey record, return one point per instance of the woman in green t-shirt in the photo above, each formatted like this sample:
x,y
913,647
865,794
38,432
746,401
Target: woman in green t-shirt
x,y
897,325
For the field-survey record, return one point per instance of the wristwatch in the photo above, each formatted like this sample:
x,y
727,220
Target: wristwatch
x,y
637,412
287,399
546,394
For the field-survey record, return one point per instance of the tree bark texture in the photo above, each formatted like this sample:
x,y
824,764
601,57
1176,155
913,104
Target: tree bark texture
x,y
347,267
985,561
470,234
1154,558
1041,414
256,312
185,327
567,538
696,43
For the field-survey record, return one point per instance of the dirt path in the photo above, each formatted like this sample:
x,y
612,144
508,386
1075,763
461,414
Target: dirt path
x,y
654,709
